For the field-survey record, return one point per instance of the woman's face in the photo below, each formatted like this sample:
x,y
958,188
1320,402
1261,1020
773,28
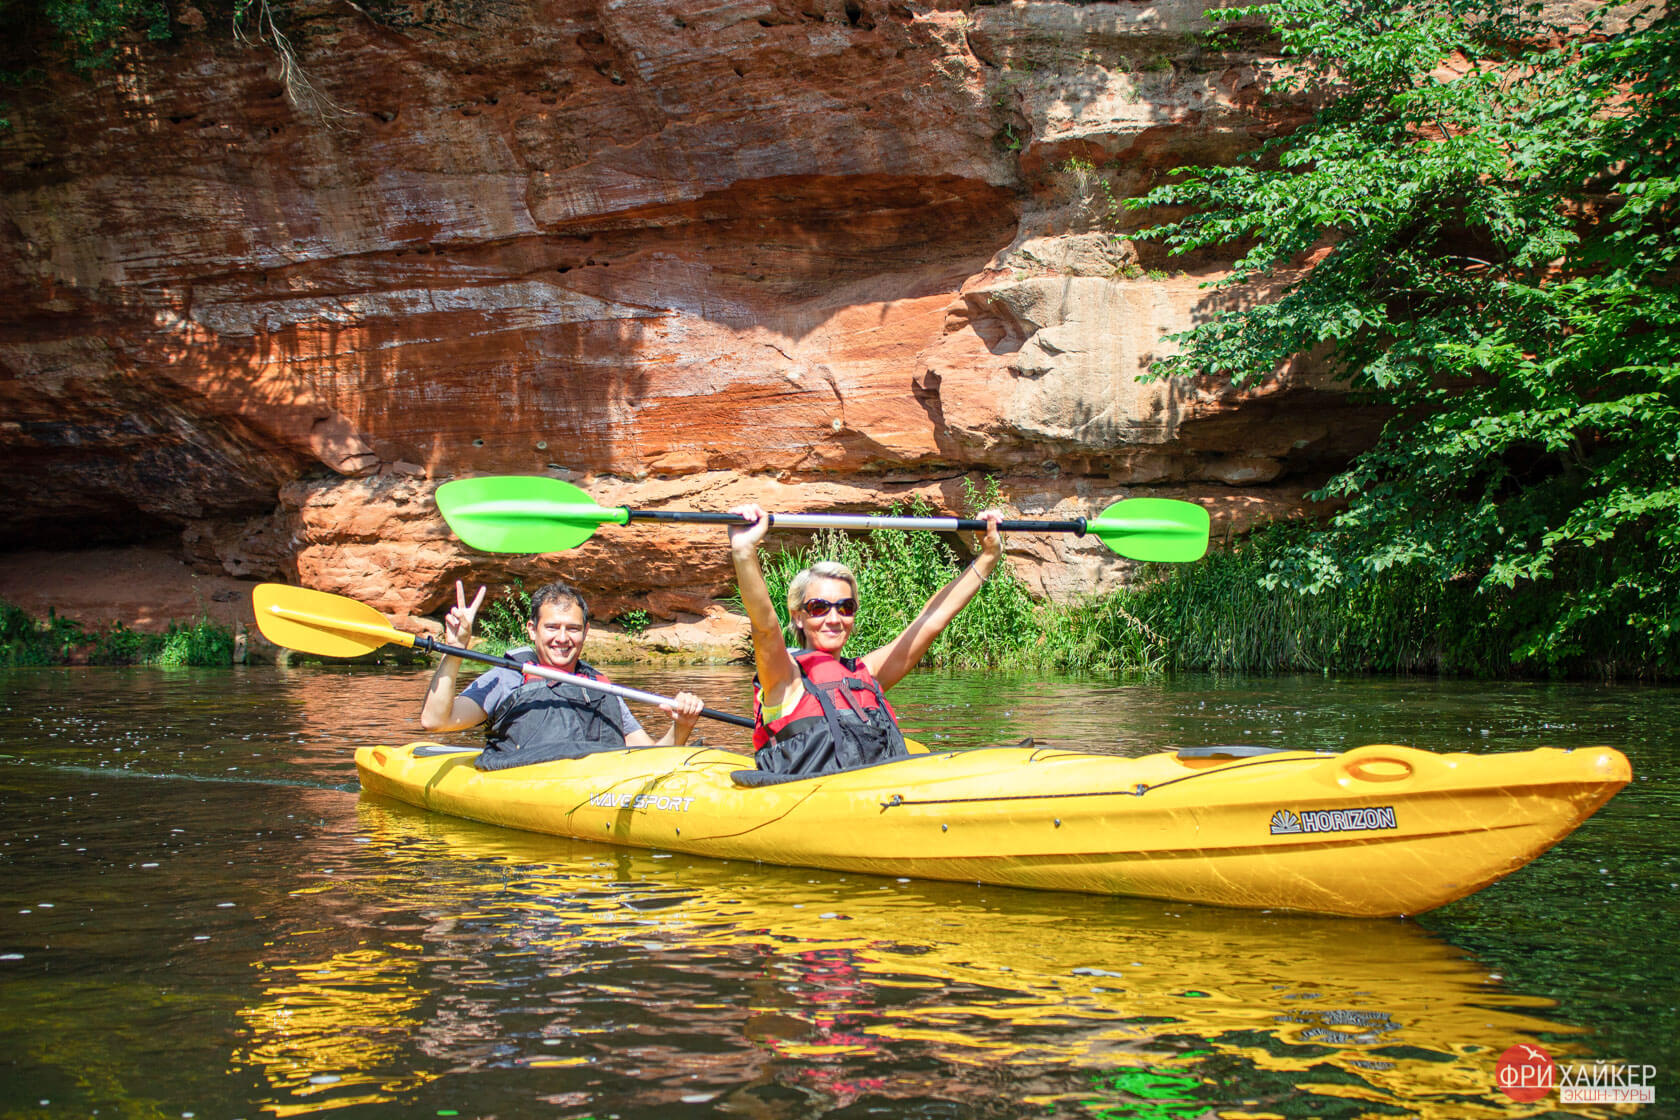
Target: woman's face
x,y
829,630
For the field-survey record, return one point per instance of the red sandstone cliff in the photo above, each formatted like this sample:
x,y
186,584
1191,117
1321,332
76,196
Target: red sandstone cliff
x,y
810,253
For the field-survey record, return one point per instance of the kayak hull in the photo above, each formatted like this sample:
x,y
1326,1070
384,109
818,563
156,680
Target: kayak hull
x,y
1374,832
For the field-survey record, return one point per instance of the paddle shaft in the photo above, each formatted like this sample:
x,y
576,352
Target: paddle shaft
x,y
862,521
389,635
536,669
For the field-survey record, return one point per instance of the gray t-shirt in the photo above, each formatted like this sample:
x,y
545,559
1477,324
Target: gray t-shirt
x,y
493,686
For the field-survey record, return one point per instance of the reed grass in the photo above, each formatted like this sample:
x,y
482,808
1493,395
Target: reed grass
x,y
1228,613
1222,614
501,625
1225,613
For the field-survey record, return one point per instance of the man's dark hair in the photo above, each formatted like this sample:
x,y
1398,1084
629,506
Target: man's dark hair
x,y
561,593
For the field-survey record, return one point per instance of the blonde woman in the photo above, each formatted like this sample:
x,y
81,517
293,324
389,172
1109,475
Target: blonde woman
x,y
816,710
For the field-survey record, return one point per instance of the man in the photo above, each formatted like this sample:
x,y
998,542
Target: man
x,y
534,719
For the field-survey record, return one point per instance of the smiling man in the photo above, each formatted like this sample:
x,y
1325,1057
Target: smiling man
x,y
534,719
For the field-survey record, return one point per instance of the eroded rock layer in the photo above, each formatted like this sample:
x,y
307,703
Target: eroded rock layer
x,y
815,254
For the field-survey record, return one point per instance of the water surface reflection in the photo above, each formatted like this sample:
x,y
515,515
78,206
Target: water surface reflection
x,y
200,914
542,969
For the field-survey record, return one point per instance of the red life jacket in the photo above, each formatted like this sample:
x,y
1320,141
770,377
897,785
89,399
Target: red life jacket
x,y
841,722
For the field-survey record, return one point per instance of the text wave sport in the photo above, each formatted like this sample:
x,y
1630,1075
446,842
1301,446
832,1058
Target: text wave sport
x,y
1375,832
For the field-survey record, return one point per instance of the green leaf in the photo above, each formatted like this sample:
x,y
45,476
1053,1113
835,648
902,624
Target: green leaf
x,y
1494,223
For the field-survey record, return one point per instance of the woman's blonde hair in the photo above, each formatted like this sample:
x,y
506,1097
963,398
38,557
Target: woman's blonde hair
x,y
822,569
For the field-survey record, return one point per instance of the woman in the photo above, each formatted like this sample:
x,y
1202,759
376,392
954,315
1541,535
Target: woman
x,y
814,710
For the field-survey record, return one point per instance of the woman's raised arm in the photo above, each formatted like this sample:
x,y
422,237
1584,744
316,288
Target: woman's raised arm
x,y
777,671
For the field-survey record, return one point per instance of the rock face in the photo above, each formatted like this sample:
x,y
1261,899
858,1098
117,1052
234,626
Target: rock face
x,y
816,254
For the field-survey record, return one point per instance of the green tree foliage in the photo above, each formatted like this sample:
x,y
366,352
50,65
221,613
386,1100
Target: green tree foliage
x,y
84,32
1492,201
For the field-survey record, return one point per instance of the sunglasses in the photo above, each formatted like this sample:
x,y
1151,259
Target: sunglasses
x,y
816,608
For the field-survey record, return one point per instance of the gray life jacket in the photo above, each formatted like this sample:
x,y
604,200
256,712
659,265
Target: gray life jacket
x,y
544,720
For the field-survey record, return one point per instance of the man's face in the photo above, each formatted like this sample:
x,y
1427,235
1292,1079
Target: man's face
x,y
558,635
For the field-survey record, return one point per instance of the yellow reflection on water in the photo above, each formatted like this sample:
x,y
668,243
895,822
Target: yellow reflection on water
x,y
323,1024
832,972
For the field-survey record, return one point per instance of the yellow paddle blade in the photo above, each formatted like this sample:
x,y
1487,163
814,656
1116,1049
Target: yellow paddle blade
x,y
321,623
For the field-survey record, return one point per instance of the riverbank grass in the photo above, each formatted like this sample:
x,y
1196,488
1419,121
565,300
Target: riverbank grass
x,y
1231,612
1228,613
25,640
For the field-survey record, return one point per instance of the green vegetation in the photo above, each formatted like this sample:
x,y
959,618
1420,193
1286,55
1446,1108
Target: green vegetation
x,y
501,624
1092,192
86,32
23,641
81,34
1224,613
633,622
1493,204
62,641
201,643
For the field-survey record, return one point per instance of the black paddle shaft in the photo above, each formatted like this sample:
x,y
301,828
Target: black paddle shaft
x,y
432,645
945,524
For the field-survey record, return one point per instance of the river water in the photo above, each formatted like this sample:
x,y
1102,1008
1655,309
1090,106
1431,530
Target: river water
x,y
200,916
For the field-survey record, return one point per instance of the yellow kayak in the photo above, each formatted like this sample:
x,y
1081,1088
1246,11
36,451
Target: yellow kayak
x,y
1375,832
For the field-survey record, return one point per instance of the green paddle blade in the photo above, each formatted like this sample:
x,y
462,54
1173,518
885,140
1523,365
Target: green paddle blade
x,y
521,513
1161,529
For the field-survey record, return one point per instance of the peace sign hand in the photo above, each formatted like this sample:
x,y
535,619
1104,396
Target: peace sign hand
x,y
458,623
